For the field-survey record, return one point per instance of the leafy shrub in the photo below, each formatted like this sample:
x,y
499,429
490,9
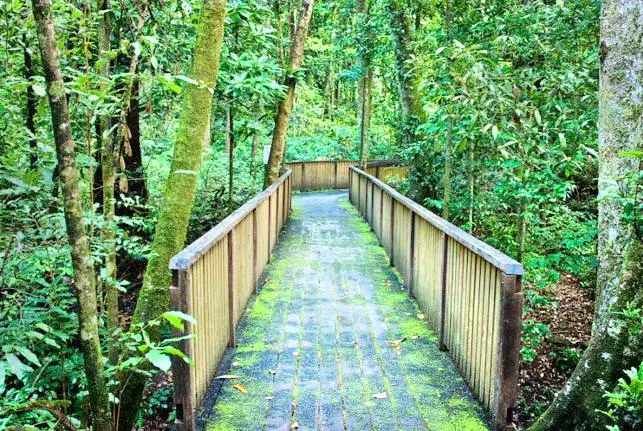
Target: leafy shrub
x,y
625,403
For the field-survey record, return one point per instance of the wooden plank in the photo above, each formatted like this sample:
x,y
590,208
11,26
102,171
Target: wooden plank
x,y
495,257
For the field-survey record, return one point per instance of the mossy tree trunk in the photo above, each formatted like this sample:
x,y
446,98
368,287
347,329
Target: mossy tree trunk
x,y
366,81
171,228
285,106
620,252
84,282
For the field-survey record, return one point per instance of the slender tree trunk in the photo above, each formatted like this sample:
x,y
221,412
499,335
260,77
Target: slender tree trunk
x,y
612,347
281,55
446,179
30,113
132,154
108,170
406,76
472,183
84,282
285,106
366,81
171,228
230,140
255,146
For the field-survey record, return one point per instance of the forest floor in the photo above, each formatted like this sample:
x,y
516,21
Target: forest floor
x,y
570,322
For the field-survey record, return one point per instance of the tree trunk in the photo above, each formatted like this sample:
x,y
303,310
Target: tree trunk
x,y
366,81
84,282
108,171
446,179
285,106
620,253
255,146
30,112
171,228
132,154
406,76
230,141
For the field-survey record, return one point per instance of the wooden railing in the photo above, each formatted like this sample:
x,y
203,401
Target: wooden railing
x,y
213,280
469,291
333,174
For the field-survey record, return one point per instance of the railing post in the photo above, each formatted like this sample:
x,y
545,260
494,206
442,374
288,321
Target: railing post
x,y
366,198
381,216
443,291
269,224
183,379
335,181
303,177
412,255
372,205
254,251
508,351
359,191
232,335
392,228
277,217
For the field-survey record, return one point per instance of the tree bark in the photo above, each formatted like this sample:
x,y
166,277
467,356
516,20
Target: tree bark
x,y
109,156
84,282
612,347
171,228
230,142
406,76
30,112
132,154
285,106
366,81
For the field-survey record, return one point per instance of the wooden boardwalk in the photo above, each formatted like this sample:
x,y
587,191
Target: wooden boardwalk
x,y
334,342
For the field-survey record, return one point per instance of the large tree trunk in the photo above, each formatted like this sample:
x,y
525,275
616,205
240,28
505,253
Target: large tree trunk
x,y
366,81
285,106
620,252
171,228
84,282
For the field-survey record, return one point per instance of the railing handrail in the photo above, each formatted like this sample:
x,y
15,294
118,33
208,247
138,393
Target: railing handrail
x,y
190,254
495,257
371,164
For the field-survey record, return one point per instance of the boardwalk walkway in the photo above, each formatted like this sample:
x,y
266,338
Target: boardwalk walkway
x,y
334,342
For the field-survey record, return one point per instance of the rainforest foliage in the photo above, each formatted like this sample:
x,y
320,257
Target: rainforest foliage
x,y
493,105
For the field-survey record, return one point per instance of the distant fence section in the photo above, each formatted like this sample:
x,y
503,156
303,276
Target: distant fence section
x,y
213,280
469,291
322,175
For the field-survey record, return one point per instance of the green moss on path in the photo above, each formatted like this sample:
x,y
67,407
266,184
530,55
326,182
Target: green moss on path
x,y
323,337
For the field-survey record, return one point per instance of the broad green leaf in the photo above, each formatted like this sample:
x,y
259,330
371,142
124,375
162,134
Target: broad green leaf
x,y
17,366
176,319
159,360
28,355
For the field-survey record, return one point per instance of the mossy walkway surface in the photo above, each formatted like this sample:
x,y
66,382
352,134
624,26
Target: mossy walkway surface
x,y
334,342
